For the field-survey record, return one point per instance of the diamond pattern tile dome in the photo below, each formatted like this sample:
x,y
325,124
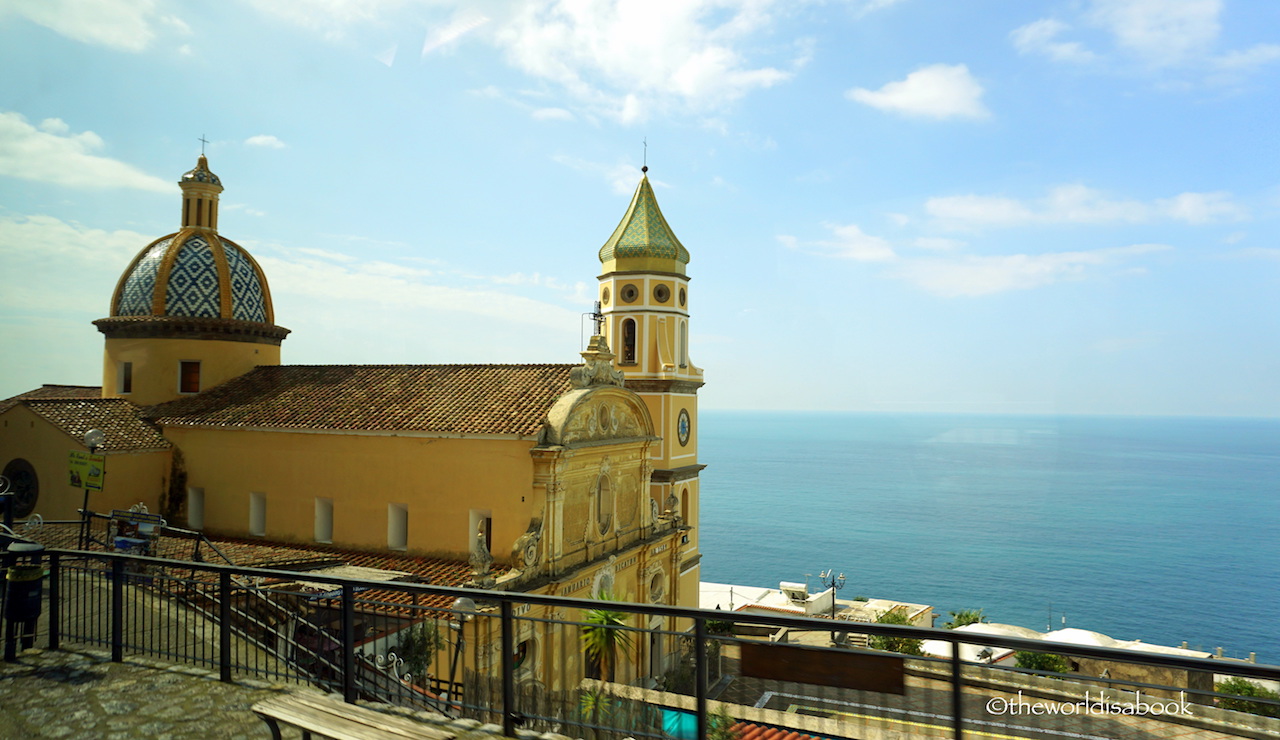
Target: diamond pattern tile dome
x,y
195,274
643,231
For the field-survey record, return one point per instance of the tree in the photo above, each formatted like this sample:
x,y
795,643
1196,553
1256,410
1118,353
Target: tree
x,y
1048,662
720,726
1244,687
603,636
419,644
907,645
965,617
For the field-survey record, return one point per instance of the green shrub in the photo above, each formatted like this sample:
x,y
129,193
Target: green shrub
x,y
907,645
1244,687
1048,662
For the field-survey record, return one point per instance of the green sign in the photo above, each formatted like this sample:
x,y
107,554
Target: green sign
x,y
87,471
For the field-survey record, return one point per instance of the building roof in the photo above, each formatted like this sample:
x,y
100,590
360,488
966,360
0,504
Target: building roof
x,y
753,731
455,399
53,391
643,231
74,414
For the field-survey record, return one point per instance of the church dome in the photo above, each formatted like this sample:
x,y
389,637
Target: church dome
x,y
643,233
195,273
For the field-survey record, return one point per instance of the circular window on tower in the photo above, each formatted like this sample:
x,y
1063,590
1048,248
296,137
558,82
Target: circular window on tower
x,y
683,427
661,294
682,297
629,293
604,297
24,486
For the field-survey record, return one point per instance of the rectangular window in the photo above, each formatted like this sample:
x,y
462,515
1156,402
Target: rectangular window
x,y
258,514
397,526
195,508
481,522
125,378
189,377
324,520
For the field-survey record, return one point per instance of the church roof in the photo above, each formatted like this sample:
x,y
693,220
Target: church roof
x,y
195,274
459,399
643,231
53,391
119,419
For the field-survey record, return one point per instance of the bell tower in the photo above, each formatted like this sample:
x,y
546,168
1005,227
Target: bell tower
x,y
644,301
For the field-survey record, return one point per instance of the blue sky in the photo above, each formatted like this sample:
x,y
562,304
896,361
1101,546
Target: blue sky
x,y
892,205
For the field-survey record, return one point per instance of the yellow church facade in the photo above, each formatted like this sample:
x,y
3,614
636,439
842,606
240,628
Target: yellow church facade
x,y
572,479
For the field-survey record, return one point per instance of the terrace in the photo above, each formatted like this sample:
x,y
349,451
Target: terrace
x,y
515,662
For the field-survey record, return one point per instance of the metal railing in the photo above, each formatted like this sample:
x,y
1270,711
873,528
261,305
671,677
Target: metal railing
x,y
610,670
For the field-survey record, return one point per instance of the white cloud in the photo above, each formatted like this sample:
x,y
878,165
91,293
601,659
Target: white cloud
x,y
1079,204
938,243
1039,37
1202,208
622,177
1248,59
1162,32
408,289
935,91
52,154
863,7
972,275
264,140
461,25
125,25
850,243
552,114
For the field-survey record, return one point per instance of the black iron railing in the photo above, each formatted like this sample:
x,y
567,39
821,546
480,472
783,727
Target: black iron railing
x,y
605,670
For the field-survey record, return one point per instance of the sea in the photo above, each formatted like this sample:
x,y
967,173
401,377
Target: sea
x,y
1153,528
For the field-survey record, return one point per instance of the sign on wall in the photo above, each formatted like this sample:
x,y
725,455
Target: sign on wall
x,y
87,471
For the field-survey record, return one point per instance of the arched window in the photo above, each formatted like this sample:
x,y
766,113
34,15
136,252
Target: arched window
x,y
628,341
24,485
604,503
684,505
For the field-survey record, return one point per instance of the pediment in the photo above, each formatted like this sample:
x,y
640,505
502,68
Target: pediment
x,y
597,414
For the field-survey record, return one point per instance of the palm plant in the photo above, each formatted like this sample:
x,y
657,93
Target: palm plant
x,y
603,636
965,617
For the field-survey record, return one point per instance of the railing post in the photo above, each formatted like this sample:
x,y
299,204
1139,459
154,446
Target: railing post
x,y
224,626
957,691
55,599
348,644
700,679
117,610
508,670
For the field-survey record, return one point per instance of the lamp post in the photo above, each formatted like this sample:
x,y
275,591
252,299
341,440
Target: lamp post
x,y
465,609
835,583
93,439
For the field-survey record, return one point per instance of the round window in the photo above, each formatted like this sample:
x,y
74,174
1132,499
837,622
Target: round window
x,y
657,588
661,294
24,485
682,297
604,297
629,293
602,418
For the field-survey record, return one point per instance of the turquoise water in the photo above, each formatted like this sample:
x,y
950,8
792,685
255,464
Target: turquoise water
x,y
1159,529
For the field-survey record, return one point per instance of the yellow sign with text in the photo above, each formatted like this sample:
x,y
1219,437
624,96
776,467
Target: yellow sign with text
x,y
87,471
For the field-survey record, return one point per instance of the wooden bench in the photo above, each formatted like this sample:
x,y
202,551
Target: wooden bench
x,y
333,718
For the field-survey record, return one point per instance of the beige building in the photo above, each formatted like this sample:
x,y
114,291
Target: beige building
x,y
579,478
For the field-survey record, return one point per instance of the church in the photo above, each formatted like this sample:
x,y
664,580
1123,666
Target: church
x,y
575,479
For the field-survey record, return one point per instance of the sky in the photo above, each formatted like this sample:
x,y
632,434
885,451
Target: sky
x,y
1043,206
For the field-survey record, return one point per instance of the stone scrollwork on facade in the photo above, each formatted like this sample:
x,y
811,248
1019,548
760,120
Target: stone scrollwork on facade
x,y
597,367
481,561
527,546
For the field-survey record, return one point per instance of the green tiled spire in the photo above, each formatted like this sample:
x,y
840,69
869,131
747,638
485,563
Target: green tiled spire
x,y
643,231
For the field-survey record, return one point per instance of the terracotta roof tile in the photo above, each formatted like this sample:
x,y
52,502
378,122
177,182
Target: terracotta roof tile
x,y
752,731
117,418
53,391
462,399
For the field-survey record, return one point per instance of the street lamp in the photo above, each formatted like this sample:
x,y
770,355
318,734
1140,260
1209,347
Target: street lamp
x,y
93,439
465,609
835,583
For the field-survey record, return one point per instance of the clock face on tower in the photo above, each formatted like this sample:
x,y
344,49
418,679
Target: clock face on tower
x,y
683,427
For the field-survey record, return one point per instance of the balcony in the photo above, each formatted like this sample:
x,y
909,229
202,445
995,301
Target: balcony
x,y
604,671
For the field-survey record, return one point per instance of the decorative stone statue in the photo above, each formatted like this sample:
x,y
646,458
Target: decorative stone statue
x,y
481,560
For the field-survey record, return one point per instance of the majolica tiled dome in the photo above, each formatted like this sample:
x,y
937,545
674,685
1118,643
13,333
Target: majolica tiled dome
x,y
195,273
643,232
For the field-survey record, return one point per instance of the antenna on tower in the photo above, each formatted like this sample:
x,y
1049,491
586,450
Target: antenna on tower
x,y
597,320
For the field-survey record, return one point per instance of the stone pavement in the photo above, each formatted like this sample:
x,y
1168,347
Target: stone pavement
x,y
82,694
